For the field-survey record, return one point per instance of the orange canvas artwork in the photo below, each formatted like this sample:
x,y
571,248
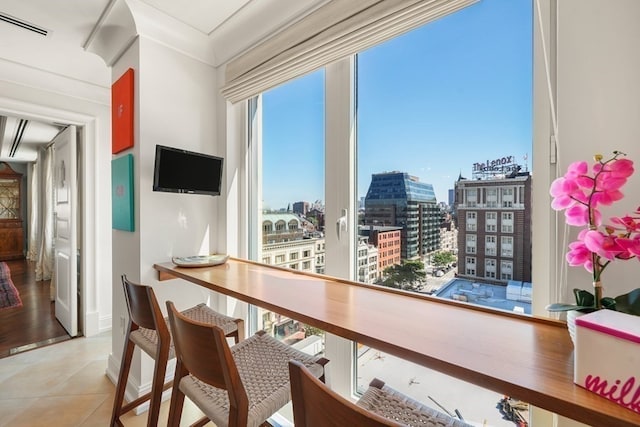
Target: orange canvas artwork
x,y
122,113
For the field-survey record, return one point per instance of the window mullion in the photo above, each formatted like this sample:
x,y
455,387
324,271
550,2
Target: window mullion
x,y
340,207
254,158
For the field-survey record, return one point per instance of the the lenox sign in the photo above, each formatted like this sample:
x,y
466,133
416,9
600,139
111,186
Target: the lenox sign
x,y
503,164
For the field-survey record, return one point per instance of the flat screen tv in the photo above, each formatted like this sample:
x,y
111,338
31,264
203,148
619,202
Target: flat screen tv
x,y
181,171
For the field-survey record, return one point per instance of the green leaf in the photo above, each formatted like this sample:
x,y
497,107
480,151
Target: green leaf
x,y
585,301
629,303
559,306
584,298
609,303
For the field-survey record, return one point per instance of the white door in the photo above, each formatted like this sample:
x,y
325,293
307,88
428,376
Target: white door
x,y
65,230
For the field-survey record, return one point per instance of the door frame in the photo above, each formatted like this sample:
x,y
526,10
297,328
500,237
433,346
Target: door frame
x,y
91,319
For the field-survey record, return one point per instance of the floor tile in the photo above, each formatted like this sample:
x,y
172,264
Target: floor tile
x,y
59,411
65,385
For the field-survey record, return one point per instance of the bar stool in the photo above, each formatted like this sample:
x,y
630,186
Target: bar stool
x,y
316,405
148,330
239,386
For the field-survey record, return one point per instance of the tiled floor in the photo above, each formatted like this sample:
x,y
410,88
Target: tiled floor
x,y
65,385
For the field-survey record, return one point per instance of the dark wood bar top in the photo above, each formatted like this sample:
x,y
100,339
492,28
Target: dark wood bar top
x,y
528,358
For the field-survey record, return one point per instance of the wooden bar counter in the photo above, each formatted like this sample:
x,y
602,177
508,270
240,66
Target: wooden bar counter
x,y
524,357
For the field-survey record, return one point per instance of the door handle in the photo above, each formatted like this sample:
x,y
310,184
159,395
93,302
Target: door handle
x,y
342,224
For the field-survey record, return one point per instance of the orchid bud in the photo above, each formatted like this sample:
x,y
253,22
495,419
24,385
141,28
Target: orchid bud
x,y
597,157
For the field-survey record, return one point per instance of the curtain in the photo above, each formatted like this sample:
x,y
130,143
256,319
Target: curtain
x,y
44,265
334,31
34,209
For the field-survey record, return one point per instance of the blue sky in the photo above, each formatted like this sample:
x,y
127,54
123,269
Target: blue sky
x,y
431,103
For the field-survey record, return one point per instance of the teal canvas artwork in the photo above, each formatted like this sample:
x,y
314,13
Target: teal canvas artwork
x,y
122,193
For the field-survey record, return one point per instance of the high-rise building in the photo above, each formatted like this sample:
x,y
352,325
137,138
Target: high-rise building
x,y
399,199
301,208
494,227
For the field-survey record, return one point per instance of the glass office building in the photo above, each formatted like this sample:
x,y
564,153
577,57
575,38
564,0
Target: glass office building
x,y
399,199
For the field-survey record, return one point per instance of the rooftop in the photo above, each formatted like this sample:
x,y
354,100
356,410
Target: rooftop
x,y
516,296
380,228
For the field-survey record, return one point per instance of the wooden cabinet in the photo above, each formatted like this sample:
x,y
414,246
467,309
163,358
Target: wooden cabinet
x,y
11,232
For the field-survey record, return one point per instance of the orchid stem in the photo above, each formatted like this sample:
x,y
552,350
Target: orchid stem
x,y
597,290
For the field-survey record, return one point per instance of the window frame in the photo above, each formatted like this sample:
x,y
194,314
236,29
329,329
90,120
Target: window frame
x,y
503,263
471,221
503,252
490,245
490,268
544,253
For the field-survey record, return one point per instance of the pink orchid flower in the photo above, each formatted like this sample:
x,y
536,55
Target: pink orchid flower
x,y
579,215
631,246
627,223
562,189
606,197
577,169
580,193
604,245
618,168
579,255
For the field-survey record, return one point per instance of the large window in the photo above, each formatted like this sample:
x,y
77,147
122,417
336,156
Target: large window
x,y
292,186
434,108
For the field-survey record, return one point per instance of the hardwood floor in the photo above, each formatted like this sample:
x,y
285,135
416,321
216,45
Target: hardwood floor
x,y
34,322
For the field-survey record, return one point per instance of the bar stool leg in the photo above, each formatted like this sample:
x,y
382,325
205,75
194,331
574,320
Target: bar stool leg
x,y
177,397
125,366
157,386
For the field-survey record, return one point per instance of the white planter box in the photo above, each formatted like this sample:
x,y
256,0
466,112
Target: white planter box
x,y
607,356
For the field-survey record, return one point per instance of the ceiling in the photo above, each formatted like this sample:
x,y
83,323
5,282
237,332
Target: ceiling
x,y
50,30
22,138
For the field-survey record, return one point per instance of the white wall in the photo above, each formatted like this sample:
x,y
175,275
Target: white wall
x,y
178,97
597,99
126,253
599,105
175,101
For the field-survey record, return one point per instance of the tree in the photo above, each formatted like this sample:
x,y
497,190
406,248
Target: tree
x,y
311,330
440,259
408,276
312,219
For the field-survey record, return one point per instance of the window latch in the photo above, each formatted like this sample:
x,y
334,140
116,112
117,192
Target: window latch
x,y
341,224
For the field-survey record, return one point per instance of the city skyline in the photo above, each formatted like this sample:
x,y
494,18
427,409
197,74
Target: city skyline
x,y
431,103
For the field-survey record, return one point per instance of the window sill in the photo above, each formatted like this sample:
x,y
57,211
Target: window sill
x,y
528,358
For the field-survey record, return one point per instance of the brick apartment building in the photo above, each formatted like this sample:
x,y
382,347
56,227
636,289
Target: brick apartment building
x,y
388,242
494,226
